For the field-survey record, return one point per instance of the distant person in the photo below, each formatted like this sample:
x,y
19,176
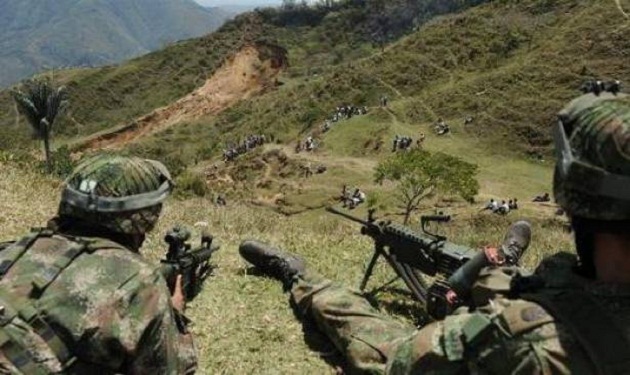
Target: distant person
x,y
492,205
221,200
395,143
321,169
514,204
357,198
542,198
504,208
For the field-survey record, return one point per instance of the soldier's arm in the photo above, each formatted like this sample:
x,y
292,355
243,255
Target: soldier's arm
x,y
156,336
516,337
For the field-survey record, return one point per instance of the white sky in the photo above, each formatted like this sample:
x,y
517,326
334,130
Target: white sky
x,y
238,2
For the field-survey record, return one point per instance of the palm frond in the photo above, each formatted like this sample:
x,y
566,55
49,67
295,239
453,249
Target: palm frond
x,y
38,100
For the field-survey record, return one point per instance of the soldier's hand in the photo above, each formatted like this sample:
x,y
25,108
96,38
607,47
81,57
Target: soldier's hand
x,y
177,299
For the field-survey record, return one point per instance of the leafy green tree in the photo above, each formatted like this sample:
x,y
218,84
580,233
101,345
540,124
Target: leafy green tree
x,y
420,174
40,102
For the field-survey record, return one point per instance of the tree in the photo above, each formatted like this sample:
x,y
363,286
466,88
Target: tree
x,y
40,102
420,174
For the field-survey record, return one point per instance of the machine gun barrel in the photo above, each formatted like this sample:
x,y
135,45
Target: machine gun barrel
x,y
345,215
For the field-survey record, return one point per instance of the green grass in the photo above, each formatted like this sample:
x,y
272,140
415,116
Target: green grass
x,y
511,66
243,323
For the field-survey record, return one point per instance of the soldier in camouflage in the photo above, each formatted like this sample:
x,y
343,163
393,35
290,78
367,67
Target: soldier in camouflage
x,y
77,297
572,316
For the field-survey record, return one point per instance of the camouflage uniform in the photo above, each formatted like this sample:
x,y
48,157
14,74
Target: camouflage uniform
x,y
556,322
506,336
71,303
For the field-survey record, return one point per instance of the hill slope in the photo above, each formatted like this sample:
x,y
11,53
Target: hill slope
x,y
511,65
316,38
40,35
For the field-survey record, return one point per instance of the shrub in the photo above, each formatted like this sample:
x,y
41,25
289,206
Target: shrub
x,y
191,184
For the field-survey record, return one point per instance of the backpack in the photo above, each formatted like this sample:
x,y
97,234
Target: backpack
x,y
27,342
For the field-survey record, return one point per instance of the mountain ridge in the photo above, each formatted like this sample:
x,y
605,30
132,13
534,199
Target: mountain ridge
x,y
41,35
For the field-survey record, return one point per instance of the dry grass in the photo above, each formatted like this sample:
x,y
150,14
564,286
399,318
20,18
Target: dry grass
x,y
242,322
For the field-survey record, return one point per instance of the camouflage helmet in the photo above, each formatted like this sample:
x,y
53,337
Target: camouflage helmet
x,y
121,194
592,175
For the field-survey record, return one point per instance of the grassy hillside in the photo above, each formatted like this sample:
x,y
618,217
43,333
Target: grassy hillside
x,y
511,65
43,35
316,39
243,323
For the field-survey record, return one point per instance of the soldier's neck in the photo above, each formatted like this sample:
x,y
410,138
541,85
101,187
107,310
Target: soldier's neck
x,y
612,258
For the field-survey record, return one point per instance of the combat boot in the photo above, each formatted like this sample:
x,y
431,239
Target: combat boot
x,y
516,241
272,261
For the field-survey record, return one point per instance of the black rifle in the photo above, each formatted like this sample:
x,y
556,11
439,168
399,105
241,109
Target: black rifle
x,y
411,254
193,264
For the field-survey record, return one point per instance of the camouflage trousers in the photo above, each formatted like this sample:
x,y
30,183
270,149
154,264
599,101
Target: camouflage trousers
x,y
371,342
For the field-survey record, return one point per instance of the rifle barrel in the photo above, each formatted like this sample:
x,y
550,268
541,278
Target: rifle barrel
x,y
345,215
201,255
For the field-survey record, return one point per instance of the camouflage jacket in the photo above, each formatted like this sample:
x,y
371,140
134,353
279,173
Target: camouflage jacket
x,y
108,307
519,336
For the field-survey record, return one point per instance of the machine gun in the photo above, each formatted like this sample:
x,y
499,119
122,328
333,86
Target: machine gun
x,y
412,255
192,264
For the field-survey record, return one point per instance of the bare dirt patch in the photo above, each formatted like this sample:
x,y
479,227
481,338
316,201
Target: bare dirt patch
x,y
250,71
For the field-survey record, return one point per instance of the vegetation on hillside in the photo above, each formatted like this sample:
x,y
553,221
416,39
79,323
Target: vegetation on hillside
x,y
40,35
106,97
243,323
511,65
41,103
419,174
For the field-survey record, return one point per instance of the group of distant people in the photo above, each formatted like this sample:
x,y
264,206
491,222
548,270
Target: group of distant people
x,y
343,112
597,87
502,208
309,144
352,200
404,143
401,143
441,127
249,143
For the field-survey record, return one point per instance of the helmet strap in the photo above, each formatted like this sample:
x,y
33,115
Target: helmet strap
x,y
585,246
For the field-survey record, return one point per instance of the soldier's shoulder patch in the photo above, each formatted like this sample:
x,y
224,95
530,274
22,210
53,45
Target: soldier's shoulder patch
x,y
523,316
533,313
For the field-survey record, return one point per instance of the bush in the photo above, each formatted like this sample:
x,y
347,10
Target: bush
x,y
62,163
191,184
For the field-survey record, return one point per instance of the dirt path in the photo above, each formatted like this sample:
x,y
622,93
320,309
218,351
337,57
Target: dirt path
x,y
394,89
322,157
243,75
